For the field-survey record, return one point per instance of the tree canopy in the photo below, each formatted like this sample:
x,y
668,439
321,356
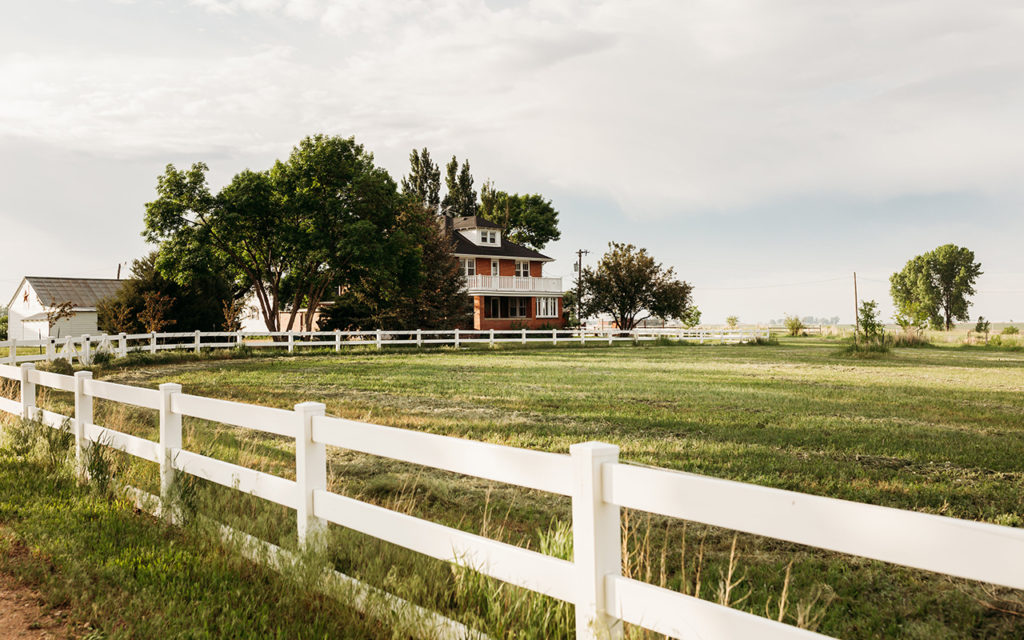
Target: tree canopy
x,y
933,288
460,200
424,180
324,218
528,219
631,286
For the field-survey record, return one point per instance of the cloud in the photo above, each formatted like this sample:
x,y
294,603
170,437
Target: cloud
x,y
663,107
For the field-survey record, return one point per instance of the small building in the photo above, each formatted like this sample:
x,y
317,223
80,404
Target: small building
x,y
505,280
37,297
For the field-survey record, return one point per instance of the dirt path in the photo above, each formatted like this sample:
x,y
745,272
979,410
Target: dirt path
x,y
22,617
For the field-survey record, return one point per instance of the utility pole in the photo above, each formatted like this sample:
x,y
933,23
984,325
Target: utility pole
x,y
579,277
856,311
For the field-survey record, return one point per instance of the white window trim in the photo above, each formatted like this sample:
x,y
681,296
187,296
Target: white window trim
x,y
548,301
526,267
468,264
495,268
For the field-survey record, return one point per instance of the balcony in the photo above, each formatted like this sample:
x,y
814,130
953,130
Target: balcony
x,y
512,284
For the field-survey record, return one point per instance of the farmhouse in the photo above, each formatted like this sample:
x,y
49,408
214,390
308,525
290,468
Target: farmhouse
x,y
36,298
504,279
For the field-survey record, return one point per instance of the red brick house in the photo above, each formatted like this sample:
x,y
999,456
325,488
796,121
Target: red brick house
x,y
505,279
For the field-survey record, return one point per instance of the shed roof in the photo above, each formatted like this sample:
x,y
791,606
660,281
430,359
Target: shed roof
x,y
82,293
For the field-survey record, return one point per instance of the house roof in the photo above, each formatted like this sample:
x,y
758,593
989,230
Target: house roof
x,y
82,293
473,222
465,247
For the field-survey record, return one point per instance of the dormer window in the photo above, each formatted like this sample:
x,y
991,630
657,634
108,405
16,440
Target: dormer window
x,y
488,237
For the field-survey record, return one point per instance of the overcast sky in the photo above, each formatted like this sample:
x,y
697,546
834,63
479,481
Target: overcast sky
x,y
766,150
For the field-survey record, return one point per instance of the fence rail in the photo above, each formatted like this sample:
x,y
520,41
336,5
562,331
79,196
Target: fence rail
x,y
82,349
591,475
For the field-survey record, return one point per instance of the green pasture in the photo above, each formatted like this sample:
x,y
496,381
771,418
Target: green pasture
x,y
939,430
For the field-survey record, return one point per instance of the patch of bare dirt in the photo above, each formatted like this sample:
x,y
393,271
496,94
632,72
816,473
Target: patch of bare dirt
x,y
22,616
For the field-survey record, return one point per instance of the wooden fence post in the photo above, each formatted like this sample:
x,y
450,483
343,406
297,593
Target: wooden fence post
x,y
419,337
195,346
458,342
28,392
337,341
310,473
492,339
597,551
524,336
122,345
51,349
611,337
239,340
379,338
83,416
170,440
554,337
85,355
152,342
291,342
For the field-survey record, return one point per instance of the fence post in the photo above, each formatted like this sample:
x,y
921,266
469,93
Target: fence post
x,y
492,338
122,345
310,472
51,349
170,439
291,342
83,416
597,551
337,340
611,337
85,357
12,351
28,392
524,336
195,347
379,345
554,336
458,342
419,337
239,340
583,337
636,337
152,342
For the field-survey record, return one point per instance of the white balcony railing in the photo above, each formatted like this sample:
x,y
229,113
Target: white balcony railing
x,y
513,283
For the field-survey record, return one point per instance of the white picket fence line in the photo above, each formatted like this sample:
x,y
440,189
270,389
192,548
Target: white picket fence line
x,y
82,348
591,476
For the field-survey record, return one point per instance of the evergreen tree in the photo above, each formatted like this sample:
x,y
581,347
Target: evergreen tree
x,y
461,198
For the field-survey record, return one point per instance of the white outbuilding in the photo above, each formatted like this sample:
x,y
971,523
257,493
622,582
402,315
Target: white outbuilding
x,y
36,298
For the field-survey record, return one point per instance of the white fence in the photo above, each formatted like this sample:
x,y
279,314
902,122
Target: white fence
x,y
82,349
590,475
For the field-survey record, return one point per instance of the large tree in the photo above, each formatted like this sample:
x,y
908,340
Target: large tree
x,y
424,180
460,200
528,219
424,288
934,287
322,219
629,285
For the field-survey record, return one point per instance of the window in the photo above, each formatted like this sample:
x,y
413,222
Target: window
x,y
518,307
468,266
547,307
522,269
494,267
488,237
493,307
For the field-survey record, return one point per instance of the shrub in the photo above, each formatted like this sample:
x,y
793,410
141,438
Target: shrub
x,y
60,366
732,321
982,326
868,350
794,325
870,327
102,358
1010,330
908,339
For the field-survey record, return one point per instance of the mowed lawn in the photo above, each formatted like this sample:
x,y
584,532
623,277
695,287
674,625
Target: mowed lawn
x,y
939,430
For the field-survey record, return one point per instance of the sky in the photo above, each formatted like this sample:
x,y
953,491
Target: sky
x,y
764,150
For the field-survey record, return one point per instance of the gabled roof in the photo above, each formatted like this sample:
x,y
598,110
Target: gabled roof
x,y
473,222
508,249
82,293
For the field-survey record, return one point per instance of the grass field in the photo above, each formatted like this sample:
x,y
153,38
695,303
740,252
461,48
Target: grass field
x,y
939,430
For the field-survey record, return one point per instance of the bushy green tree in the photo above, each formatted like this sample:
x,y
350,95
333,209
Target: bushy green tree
x,y
732,321
934,287
529,219
629,285
192,307
982,325
460,199
325,218
794,325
